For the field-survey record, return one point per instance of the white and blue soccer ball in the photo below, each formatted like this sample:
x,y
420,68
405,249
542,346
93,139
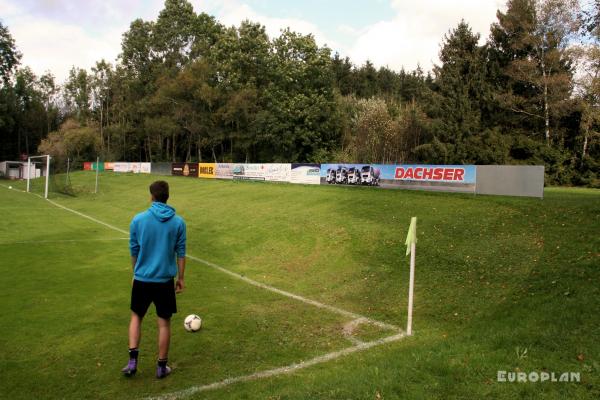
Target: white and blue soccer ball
x,y
192,323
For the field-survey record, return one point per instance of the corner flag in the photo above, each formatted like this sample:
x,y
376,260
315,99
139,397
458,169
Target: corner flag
x,y
411,246
411,237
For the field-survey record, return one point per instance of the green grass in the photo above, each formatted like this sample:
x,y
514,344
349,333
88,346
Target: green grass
x,y
495,275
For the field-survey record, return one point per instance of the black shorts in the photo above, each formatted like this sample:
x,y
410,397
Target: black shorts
x,y
162,294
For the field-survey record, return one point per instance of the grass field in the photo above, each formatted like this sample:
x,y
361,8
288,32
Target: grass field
x,y
502,283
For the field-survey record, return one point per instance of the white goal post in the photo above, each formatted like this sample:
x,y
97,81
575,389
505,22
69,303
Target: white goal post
x,y
47,156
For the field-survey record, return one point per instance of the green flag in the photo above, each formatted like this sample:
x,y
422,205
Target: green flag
x,y
411,237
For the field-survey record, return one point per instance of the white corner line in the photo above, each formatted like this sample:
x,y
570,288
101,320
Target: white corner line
x,y
288,369
336,310
276,371
315,303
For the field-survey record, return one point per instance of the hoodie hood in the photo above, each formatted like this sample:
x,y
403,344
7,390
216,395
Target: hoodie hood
x,y
162,211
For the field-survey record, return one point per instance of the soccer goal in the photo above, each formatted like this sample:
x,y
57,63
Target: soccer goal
x,y
36,170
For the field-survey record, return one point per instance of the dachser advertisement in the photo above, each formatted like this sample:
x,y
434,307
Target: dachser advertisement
x,y
453,178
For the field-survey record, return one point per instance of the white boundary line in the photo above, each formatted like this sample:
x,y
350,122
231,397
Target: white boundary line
x,y
88,217
276,371
61,241
333,309
315,303
288,369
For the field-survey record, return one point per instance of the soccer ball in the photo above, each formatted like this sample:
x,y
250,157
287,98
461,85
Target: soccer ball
x,y
192,323
10,187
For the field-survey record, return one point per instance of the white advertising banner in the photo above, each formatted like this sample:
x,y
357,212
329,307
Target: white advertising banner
x,y
145,167
255,172
224,170
308,174
134,167
121,167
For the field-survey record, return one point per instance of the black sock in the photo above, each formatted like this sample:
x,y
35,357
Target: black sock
x,y
162,362
133,353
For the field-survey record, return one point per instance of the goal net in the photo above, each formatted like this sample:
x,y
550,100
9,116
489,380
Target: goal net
x,y
60,176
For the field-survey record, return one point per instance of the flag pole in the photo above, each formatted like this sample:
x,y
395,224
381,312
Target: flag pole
x,y
411,246
411,289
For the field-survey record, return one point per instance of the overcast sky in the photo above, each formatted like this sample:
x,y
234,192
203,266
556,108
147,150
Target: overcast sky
x,y
54,35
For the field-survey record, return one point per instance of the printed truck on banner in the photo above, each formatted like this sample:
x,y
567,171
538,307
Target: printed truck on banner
x,y
350,174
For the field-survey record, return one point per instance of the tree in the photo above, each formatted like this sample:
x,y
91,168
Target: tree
x,y
377,133
10,57
297,115
461,90
188,102
100,89
343,74
588,81
48,91
72,140
77,92
529,43
30,115
243,63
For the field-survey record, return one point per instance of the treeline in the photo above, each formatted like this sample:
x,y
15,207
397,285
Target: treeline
x,y
187,88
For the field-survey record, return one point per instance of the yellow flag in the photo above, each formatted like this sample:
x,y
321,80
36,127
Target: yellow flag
x,y
411,237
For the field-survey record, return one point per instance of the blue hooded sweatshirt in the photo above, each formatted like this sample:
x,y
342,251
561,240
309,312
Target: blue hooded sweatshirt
x,y
156,236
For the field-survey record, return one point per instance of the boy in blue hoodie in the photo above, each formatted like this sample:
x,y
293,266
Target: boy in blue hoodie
x,y
157,245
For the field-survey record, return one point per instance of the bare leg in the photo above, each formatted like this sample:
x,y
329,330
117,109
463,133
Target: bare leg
x,y
135,330
164,337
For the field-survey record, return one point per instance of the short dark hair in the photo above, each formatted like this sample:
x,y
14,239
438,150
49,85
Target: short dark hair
x,y
160,191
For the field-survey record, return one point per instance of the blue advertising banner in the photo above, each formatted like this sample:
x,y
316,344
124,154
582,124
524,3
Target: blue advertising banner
x,y
464,174
349,174
455,178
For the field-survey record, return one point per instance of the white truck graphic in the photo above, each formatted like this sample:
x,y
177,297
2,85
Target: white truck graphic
x,y
330,177
354,177
370,175
341,175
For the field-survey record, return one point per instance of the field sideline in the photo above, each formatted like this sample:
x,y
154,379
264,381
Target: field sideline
x,y
502,284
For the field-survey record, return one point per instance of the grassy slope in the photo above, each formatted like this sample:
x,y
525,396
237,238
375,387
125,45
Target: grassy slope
x,y
494,275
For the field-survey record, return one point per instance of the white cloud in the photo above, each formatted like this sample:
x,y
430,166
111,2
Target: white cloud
x,y
233,12
57,34
413,36
54,35
49,45
8,8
